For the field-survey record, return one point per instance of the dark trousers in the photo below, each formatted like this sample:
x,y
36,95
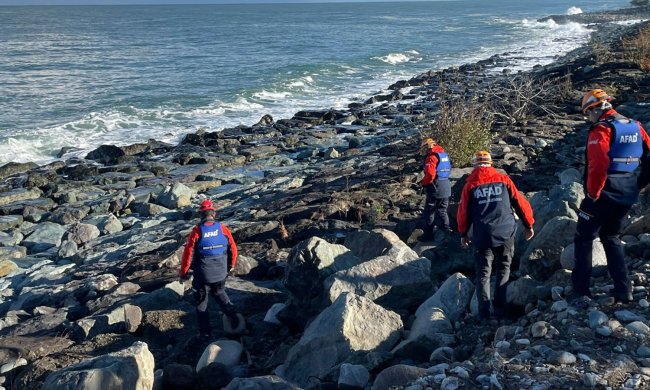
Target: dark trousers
x,y
435,211
201,294
603,219
499,259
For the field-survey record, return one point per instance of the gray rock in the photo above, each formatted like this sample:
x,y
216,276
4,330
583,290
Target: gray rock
x,y
432,327
638,327
442,354
179,195
82,233
271,314
245,265
450,383
269,382
542,257
570,175
19,195
525,290
627,316
226,352
45,236
12,365
539,329
562,357
559,306
132,318
599,259
12,238
111,224
67,249
397,376
643,351
67,215
7,267
12,252
132,368
597,318
604,331
353,376
351,324
113,321
10,221
367,245
331,153
391,282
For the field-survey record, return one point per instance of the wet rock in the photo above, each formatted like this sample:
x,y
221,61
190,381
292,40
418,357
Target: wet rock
x,y
539,329
352,324
638,327
397,376
597,318
226,352
131,368
15,168
627,316
67,249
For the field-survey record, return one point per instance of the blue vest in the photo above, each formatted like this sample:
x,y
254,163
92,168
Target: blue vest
x,y
626,147
443,169
212,241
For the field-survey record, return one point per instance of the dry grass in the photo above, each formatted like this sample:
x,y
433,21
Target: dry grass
x,y
638,48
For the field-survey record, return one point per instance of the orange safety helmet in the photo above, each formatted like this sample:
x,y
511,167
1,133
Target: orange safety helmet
x,y
593,98
428,143
207,205
482,157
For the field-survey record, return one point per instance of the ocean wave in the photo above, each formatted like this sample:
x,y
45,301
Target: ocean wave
x,y
630,22
398,58
271,95
573,11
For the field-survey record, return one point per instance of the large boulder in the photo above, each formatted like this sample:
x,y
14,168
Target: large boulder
x,y
598,260
19,195
226,352
45,236
432,327
367,245
310,262
117,320
131,368
389,281
351,325
10,221
268,382
177,196
525,290
542,257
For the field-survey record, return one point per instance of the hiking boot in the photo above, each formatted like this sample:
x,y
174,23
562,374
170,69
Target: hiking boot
x,y
623,297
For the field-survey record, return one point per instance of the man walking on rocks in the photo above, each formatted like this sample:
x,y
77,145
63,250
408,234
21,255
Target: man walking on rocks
x,y
437,168
211,253
486,205
616,149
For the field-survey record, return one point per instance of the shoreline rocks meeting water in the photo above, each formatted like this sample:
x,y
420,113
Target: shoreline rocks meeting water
x,y
335,287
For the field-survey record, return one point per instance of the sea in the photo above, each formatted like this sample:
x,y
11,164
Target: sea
x,y
77,77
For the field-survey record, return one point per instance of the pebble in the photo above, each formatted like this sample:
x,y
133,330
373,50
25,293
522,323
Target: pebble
x,y
522,341
584,357
540,370
559,306
539,329
438,369
449,383
590,379
644,303
503,345
643,351
627,316
634,382
638,327
597,318
556,293
460,372
563,357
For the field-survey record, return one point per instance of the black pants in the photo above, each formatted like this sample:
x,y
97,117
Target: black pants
x,y
603,219
435,211
218,291
498,259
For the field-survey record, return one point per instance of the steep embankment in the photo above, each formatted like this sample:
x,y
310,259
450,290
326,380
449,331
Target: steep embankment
x,y
90,250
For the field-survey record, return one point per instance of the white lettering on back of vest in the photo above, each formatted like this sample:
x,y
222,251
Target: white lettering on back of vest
x,y
488,191
626,139
211,234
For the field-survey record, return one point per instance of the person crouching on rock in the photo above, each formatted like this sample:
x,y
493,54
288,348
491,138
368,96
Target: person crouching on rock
x,y
486,205
437,168
211,253
615,173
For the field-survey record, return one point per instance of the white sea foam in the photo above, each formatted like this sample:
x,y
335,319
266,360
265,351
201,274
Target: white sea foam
x,y
271,95
573,11
630,22
398,58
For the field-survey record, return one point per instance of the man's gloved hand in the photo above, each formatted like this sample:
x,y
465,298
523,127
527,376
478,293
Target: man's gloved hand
x,y
465,241
231,271
529,233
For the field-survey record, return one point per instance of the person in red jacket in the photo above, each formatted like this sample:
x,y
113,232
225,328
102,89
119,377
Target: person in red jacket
x,y
211,253
437,169
617,168
486,205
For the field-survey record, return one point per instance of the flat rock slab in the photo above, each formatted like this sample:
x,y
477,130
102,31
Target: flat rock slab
x,y
18,195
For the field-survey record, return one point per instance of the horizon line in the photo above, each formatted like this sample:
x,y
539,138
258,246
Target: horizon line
x,y
217,2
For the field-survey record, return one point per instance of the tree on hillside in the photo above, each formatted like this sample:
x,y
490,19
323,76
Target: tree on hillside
x,y
639,3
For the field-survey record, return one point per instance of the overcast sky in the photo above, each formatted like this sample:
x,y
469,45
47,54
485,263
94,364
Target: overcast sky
x,y
68,2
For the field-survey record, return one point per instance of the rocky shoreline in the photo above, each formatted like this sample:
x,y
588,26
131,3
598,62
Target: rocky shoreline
x,y
335,287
